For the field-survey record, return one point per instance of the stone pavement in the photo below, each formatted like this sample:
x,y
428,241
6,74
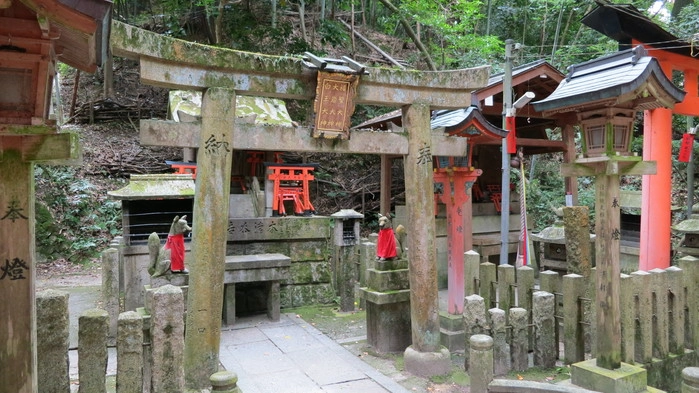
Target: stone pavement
x,y
292,356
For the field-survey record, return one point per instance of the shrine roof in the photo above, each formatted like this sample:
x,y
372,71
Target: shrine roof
x,y
80,28
468,122
615,79
625,23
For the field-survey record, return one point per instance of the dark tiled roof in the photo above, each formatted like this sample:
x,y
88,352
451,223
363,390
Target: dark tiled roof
x,y
456,121
624,22
608,78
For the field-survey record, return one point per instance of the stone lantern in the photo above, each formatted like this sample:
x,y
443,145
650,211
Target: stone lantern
x,y
346,260
690,230
550,246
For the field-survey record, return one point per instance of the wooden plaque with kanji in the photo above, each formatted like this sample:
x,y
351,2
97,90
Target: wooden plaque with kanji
x,y
334,105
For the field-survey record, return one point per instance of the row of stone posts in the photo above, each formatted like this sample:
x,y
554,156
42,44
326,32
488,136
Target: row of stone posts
x,y
482,366
158,367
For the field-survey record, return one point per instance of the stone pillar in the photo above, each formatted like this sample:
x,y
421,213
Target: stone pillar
x,y
576,220
472,263
659,286
488,277
167,339
676,325
544,323
129,376
419,196
224,382
690,380
690,267
481,363
93,328
209,236
519,347
573,316
501,350
18,329
506,284
475,321
52,341
641,284
110,289
628,320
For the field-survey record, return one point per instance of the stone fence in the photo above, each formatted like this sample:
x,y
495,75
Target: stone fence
x,y
659,319
482,350
145,363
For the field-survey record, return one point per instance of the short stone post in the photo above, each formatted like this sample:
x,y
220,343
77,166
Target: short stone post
x,y
224,382
475,321
167,336
677,317
501,349
472,263
644,342
481,363
690,380
519,345
628,319
52,341
488,277
573,316
110,289
129,376
544,324
690,267
659,286
506,284
93,327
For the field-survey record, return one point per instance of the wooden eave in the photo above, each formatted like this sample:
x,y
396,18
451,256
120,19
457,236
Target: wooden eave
x,y
79,29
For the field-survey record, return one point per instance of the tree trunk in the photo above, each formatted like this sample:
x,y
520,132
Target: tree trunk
x,y
411,33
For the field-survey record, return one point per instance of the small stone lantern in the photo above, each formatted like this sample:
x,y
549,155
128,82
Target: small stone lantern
x,y
607,131
690,230
346,232
346,255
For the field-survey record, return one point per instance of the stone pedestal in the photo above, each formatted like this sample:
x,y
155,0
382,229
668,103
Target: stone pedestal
x,y
451,331
387,299
625,379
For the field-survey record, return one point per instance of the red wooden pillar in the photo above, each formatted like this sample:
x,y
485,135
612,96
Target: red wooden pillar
x,y
656,202
455,196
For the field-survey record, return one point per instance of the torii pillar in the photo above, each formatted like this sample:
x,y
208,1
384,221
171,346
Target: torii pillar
x,y
20,147
426,356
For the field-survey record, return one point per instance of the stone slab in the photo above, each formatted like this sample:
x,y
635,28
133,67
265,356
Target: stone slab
x,y
258,261
626,379
376,297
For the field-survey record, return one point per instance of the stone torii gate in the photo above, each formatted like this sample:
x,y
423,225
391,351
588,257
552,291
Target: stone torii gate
x,y
222,74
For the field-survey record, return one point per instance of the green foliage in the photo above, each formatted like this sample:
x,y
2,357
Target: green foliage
x,y
333,33
72,220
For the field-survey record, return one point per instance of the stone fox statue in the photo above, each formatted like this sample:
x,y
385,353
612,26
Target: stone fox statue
x,y
171,255
389,244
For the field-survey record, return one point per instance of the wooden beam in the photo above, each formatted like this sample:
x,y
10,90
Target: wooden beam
x,y
274,138
40,147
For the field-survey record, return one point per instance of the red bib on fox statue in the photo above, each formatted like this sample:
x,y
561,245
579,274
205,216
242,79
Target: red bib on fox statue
x,y
175,243
386,245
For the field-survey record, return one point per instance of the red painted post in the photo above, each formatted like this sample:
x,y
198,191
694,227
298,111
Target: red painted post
x,y
454,197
